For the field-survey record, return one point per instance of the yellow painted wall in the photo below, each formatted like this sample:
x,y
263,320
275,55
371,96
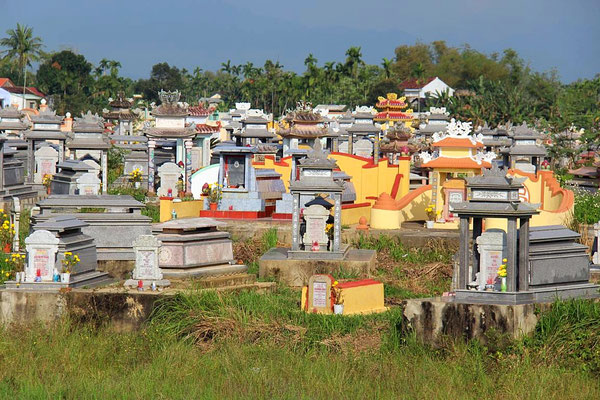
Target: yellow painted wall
x,y
184,209
455,152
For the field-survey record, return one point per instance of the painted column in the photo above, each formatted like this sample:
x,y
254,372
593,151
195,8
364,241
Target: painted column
x,y
104,171
477,229
16,214
61,151
188,165
151,147
337,222
376,151
296,222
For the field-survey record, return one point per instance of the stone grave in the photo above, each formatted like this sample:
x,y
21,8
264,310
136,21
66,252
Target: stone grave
x,y
319,294
64,182
46,159
147,270
88,184
114,226
492,249
363,148
169,174
316,220
41,247
194,247
95,168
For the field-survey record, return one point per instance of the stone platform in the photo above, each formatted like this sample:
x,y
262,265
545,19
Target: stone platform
x,y
296,272
539,295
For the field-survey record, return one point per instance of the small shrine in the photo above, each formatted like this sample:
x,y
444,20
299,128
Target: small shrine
x,y
494,139
120,112
170,133
305,127
393,110
365,133
542,263
436,120
88,141
525,154
254,130
396,144
45,136
457,155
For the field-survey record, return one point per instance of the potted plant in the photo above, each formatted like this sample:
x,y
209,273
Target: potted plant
x,y
69,262
7,232
214,196
502,275
47,182
180,188
338,301
431,214
135,177
206,189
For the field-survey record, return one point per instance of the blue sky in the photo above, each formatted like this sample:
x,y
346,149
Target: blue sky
x,y
547,33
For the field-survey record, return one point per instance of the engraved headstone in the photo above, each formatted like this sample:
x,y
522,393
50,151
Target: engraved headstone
x,y
46,159
147,270
169,174
88,184
363,148
316,220
492,249
319,294
41,249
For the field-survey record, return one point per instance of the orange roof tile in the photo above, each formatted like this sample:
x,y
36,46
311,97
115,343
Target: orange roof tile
x,y
4,81
457,142
449,162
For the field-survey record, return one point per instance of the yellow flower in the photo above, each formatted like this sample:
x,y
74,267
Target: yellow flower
x,y
504,260
23,256
68,253
7,274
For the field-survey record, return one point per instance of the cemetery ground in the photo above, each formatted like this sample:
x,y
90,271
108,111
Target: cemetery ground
x,y
204,344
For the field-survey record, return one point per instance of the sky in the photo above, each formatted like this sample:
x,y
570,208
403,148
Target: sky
x,y
548,34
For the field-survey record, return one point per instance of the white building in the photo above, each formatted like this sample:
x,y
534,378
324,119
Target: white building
x,y
415,89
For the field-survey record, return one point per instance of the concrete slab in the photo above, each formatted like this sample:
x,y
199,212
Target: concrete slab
x,y
294,272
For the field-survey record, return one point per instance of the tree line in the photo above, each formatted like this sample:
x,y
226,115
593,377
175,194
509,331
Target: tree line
x,y
494,87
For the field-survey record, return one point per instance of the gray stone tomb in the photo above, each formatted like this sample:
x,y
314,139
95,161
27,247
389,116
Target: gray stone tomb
x,y
88,184
147,270
46,159
169,174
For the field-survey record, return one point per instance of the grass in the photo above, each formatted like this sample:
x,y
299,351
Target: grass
x,y
250,250
246,345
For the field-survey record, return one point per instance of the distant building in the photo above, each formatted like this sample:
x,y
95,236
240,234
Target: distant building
x,y
10,95
417,89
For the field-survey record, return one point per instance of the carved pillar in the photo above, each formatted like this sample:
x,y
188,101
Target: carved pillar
x,y
524,255
296,222
30,160
350,143
151,147
511,252
337,222
463,253
104,171
376,151
188,165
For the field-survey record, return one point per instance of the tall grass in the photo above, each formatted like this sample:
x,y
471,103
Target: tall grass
x,y
434,251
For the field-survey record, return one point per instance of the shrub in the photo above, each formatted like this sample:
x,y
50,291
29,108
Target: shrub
x,y
587,207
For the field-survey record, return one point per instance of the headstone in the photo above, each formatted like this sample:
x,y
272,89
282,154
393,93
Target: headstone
x,y
169,176
316,220
319,294
94,166
196,158
41,248
343,147
146,248
492,249
363,148
46,159
88,184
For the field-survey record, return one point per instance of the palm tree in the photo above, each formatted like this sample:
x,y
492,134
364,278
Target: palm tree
x,y
386,63
23,48
353,60
226,67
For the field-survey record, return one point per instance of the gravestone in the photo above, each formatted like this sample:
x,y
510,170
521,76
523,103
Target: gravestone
x,y
363,148
46,159
343,147
319,294
88,184
316,220
169,176
94,166
41,248
492,249
146,248
196,158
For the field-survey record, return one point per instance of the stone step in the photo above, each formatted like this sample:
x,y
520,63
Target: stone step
x,y
204,272
225,281
91,279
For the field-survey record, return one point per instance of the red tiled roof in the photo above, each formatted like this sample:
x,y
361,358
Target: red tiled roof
x,y
449,162
392,115
4,81
457,142
199,111
204,128
35,91
391,103
416,83
19,90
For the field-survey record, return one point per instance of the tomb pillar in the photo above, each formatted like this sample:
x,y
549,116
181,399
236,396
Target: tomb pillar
x,y
376,151
296,222
336,145
350,143
30,161
524,254
61,151
2,140
337,221
511,250
188,165
477,229
104,171
151,147
463,261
